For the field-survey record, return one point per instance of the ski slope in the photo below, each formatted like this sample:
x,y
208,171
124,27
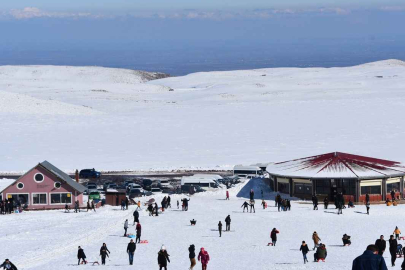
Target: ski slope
x,y
116,119
49,239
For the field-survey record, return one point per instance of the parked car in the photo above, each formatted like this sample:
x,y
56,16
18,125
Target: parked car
x,y
89,173
135,192
127,182
110,186
147,184
155,190
94,195
91,186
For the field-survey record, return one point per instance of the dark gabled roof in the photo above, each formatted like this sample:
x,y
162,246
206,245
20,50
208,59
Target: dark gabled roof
x,y
337,165
62,176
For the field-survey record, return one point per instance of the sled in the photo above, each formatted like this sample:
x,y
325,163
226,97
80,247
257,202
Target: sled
x,y
320,260
270,244
131,236
402,238
144,242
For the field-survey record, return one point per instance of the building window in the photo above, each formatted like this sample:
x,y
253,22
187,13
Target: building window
x,y
61,198
302,189
323,187
284,187
20,185
39,177
370,190
19,198
39,198
393,186
57,185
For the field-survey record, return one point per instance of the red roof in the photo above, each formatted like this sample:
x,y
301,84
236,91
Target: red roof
x,y
337,165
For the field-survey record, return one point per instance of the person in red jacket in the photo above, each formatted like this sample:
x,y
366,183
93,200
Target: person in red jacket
x,y
227,195
204,257
138,229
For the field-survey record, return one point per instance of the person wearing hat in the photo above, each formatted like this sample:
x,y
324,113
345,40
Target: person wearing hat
x,y
131,251
8,265
204,258
163,258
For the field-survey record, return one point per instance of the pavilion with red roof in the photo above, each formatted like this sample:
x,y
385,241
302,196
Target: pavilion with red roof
x,y
328,174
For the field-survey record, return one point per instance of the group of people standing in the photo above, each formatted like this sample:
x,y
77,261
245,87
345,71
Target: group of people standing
x,y
6,206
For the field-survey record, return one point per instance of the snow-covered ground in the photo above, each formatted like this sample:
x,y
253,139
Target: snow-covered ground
x,y
115,119
49,239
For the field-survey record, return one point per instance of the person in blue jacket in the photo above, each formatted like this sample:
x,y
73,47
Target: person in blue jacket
x,y
370,260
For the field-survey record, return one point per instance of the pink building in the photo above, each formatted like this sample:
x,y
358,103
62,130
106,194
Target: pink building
x,y
44,187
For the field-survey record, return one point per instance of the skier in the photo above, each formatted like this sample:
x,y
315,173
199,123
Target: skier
x,y
316,239
138,232
252,206
273,236
304,249
125,227
131,251
397,232
326,202
393,249
252,194
204,257
227,195
320,253
81,256
346,240
8,265
104,253
228,223
220,228
369,260
245,206
136,216
163,258
93,206
381,244
368,207
191,255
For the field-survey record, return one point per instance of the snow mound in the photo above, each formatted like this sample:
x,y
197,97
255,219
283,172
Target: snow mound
x,y
387,63
257,185
23,104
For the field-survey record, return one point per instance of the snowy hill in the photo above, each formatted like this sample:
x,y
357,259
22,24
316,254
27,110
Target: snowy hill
x,y
116,119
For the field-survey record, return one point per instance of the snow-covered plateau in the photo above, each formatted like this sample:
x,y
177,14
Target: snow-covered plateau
x,y
116,119
48,240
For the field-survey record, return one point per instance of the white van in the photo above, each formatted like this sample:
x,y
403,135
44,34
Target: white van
x,y
247,171
204,183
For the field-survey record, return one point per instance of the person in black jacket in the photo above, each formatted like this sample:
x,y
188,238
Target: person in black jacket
x,y
136,217
245,205
393,249
81,256
326,202
381,244
304,249
191,255
220,228
104,253
369,260
163,258
315,202
228,223
8,265
273,236
131,250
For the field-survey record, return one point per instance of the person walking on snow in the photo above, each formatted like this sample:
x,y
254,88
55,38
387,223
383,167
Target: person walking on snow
x,y
191,255
273,236
227,195
138,233
178,204
393,249
163,258
8,265
93,207
326,202
381,244
220,228
252,194
77,206
204,258
304,249
88,206
131,251
368,207
138,206
228,223
245,205
136,216
252,206
315,202
104,253
125,227
397,232
369,260
316,240
81,256
264,204
169,202
156,209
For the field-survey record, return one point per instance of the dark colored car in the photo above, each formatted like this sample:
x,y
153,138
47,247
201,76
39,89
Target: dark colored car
x,y
135,192
89,173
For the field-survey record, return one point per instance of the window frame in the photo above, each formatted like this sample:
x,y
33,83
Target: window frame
x,y
22,186
57,182
46,196
42,176
29,199
60,194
